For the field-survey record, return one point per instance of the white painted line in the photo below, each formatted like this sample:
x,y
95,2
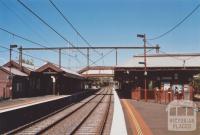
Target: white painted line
x,y
118,124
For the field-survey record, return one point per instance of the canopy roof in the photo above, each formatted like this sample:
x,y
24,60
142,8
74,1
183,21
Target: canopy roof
x,y
164,60
14,71
55,68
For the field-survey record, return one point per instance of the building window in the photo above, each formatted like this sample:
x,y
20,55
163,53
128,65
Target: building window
x,y
150,86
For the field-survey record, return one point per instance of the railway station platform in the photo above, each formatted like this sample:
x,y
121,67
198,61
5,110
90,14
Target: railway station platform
x,y
12,104
18,112
150,118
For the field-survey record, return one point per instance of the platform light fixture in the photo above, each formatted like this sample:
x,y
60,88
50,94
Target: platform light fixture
x,y
141,35
127,72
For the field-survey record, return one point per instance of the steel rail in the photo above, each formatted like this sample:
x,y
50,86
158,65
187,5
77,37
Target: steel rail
x,y
45,129
103,122
102,125
24,127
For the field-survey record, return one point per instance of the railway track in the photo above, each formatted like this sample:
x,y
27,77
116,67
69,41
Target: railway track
x,y
83,109
95,121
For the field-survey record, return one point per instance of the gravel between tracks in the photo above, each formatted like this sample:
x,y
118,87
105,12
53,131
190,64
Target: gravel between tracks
x,y
67,125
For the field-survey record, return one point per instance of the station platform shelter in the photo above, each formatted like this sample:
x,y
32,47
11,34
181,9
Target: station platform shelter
x,y
168,76
98,75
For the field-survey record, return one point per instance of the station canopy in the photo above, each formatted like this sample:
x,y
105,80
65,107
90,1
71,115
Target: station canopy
x,y
191,60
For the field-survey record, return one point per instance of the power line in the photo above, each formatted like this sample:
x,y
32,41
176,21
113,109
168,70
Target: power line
x,y
72,26
102,56
25,54
167,54
32,12
29,27
177,25
28,40
21,19
28,55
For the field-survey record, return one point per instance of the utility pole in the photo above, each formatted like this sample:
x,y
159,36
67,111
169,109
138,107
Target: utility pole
x,y
59,58
10,60
145,69
116,56
20,56
88,57
145,64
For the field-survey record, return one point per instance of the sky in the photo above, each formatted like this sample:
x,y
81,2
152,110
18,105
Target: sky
x,y
102,23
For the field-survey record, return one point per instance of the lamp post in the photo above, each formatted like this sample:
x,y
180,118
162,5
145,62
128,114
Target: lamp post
x,y
145,65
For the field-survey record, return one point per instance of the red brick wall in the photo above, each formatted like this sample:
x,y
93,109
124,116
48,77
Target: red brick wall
x,y
4,90
138,94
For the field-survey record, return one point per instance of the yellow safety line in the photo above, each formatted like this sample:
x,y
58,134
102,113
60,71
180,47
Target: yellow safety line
x,y
138,128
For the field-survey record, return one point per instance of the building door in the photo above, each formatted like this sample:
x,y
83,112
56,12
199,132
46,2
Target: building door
x,y
186,92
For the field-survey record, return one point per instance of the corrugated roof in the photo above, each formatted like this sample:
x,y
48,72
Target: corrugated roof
x,y
96,68
165,60
71,72
15,71
25,67
68,72
99,72
29,67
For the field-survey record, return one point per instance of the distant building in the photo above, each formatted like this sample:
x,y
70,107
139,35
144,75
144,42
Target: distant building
x,y
164,71
98,75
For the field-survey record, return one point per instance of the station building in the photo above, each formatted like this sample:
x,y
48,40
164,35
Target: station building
x,y
164,71
18,81
14,80
56,80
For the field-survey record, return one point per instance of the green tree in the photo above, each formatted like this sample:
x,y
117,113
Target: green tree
x,y
27,61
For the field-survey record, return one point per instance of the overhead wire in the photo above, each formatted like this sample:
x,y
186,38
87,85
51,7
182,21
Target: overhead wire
x,y
21,19
44,22
25,54
174,57
13,34
28,40
102,57
146,51
177,25
73,27
34,57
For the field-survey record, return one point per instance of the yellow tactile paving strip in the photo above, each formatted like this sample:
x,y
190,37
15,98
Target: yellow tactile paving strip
x,y
136,120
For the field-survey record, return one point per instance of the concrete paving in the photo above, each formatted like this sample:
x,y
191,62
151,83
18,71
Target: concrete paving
x,y
155,117
118,118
